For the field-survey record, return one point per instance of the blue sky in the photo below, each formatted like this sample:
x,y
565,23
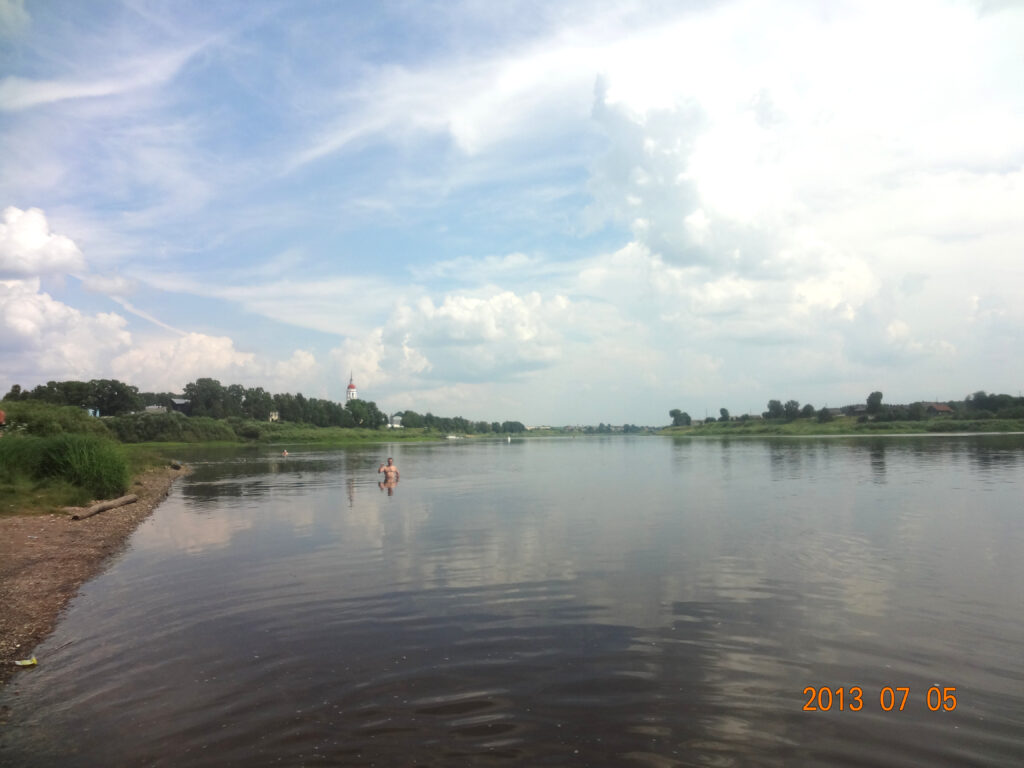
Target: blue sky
x,y
550,212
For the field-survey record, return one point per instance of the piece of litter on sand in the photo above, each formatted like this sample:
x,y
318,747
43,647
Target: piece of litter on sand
x,y
27,662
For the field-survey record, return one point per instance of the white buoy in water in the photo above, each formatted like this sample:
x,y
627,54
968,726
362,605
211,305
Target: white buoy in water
x,y
510,438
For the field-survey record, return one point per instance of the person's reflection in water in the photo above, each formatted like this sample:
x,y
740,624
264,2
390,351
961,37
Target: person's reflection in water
x,y
878,464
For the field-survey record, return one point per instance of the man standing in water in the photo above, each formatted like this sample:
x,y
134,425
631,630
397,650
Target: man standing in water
x,y
390,471
390,476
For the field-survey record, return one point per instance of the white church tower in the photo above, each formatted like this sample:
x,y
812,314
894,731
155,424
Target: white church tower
x,y
351,394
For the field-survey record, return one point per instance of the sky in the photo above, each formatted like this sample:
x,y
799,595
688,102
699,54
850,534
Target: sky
x,y
557,213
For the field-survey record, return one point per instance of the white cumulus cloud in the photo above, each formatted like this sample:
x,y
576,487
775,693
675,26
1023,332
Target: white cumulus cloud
x,y
29,249
478,337
45,339
167,365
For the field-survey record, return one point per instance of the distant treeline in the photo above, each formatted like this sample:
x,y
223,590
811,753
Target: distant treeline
x,y
206,397
209,399
457,424
980,405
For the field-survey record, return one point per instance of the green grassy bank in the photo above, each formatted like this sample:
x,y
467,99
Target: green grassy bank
x,y
39,419
45,473
845,425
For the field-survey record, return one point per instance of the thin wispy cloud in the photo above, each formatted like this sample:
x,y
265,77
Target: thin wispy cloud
x,y
18,93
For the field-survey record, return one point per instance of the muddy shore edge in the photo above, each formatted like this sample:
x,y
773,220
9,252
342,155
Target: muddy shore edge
x,y
44,559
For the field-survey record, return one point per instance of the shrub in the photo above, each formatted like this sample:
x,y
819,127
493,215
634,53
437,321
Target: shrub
x,y
244,428
169,428
32,417
147,427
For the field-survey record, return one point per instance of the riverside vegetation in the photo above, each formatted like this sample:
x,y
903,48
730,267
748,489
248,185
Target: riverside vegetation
x,y
56,452
980,412
61,470
53,456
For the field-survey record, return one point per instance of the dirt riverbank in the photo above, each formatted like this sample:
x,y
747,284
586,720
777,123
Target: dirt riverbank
x,y
44,559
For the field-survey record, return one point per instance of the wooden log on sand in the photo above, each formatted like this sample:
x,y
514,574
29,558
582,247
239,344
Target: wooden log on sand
x,y
102,506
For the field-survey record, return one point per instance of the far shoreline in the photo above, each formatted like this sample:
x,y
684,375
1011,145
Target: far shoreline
x,y
848,427
842,434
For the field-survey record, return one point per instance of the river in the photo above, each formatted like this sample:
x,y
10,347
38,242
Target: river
x,y
605,601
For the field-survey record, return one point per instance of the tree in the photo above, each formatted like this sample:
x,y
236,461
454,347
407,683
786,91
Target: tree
x,y
679,418
873,402
724,413
360,411
775,409
375,418
915,412
112,397
977,402
206,397
234,397
807,411
165,399
302,408
257,403
824,415
14,394
47,393
77,392
792,409
316,412
412,420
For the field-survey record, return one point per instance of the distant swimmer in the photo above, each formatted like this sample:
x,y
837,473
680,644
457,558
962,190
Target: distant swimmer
x,y
284,453
390,471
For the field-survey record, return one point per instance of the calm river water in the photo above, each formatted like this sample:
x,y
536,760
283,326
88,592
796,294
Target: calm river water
x,y
599,601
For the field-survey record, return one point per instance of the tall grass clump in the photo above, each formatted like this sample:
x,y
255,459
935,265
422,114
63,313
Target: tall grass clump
x,y
93,464
19,457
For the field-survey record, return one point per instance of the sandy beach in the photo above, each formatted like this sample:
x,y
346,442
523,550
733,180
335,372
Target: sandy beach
x,y
44,559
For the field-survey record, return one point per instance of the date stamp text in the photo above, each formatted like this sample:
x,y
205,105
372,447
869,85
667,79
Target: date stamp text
x,y
890,698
